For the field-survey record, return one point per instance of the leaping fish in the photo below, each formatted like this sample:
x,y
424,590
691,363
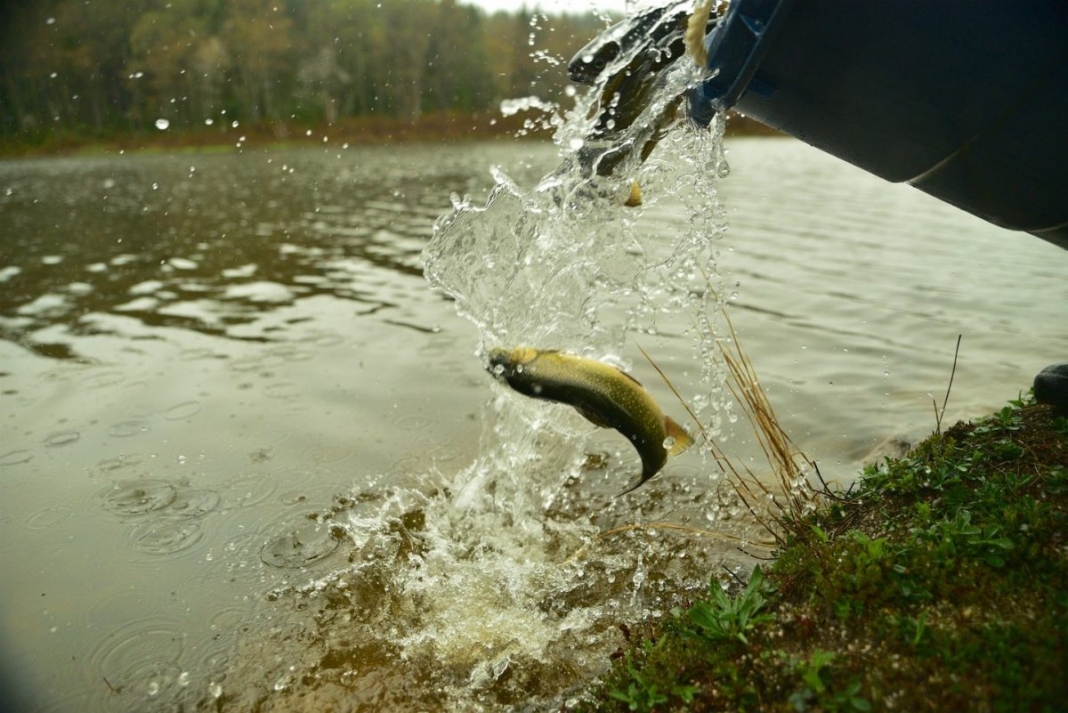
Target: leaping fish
x,y
604,395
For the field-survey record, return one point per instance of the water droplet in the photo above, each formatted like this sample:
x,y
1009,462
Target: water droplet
x,y
162,124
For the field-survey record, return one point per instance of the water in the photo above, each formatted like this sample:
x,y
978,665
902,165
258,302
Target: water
x,y
237,420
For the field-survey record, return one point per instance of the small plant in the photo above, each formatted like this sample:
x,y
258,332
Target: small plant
x,y
1007,419
818,691
643,696
960,535
640,695
724,618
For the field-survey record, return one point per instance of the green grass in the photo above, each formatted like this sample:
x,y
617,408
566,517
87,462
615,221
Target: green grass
x,y
938,583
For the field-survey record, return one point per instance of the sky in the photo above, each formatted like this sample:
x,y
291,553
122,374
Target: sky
x,y
551,6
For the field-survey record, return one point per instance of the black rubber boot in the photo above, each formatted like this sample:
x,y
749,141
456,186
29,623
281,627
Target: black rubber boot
x,y
1051,387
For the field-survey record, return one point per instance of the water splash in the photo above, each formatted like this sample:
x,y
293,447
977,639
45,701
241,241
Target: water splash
x,y
504,585
488,590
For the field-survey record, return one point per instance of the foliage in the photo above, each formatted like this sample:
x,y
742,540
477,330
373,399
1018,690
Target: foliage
x,y
725,618
937,583
72,66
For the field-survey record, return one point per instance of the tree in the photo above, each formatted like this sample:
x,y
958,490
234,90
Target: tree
x,y
256,35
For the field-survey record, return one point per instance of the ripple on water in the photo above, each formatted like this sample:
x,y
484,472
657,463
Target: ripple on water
x,y
61,438
229,618
140,657
128,429
298,543
200,354
190,503
291,352
49,517
61,375
18,457
184,410
136,645
270,436
264,363
110,466
413,422
137,497
324,339
329,454
282,390
104,605
246,364
104,380
165,536
249,489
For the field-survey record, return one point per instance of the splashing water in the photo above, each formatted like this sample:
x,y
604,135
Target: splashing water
x,y
493,591
504,585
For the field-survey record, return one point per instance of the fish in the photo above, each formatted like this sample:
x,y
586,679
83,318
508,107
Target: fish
x,y
604,395
655,40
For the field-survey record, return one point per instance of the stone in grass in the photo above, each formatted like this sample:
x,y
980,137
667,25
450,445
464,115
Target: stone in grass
x,y
1051,387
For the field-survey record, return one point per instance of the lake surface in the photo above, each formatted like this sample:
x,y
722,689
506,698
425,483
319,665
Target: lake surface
x,y
234,412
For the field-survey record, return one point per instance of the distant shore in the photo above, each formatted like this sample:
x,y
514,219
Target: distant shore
x,y
367,130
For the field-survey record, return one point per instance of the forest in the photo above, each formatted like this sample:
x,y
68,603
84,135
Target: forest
x,y
103,68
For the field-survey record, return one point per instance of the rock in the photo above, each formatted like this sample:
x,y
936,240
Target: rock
x,y
1051,387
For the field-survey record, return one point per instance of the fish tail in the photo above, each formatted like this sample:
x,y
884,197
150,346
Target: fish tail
x,y
681,441
681,437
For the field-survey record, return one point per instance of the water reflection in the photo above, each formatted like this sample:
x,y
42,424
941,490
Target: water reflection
x,y
210,243
233,411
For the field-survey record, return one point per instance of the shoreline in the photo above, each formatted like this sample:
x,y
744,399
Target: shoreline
x,y
937,583
366,131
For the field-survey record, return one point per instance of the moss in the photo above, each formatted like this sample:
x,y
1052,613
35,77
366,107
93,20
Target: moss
x,y
939,582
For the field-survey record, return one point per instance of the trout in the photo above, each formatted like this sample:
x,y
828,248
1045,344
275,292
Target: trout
x,y
655,39
604,395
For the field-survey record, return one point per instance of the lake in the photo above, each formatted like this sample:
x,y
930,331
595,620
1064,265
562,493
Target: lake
x,y
238,421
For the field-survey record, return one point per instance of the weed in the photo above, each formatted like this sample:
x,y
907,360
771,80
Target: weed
x,y
819,691
642,696
937,584
1007,419
725,618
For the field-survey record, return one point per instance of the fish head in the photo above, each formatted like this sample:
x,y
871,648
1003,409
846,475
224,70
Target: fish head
x,y
644,29
653,40
506,364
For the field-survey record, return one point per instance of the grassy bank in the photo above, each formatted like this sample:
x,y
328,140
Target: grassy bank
x,y
353,130
938,583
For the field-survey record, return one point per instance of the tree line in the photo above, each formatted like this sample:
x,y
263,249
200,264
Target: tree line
x,y
105,67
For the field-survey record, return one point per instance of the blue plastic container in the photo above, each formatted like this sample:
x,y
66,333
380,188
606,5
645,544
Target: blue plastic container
x,y
966,100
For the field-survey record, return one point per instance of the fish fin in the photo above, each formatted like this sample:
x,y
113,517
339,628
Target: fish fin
x,y
634,486
681,436
591,417
635,198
